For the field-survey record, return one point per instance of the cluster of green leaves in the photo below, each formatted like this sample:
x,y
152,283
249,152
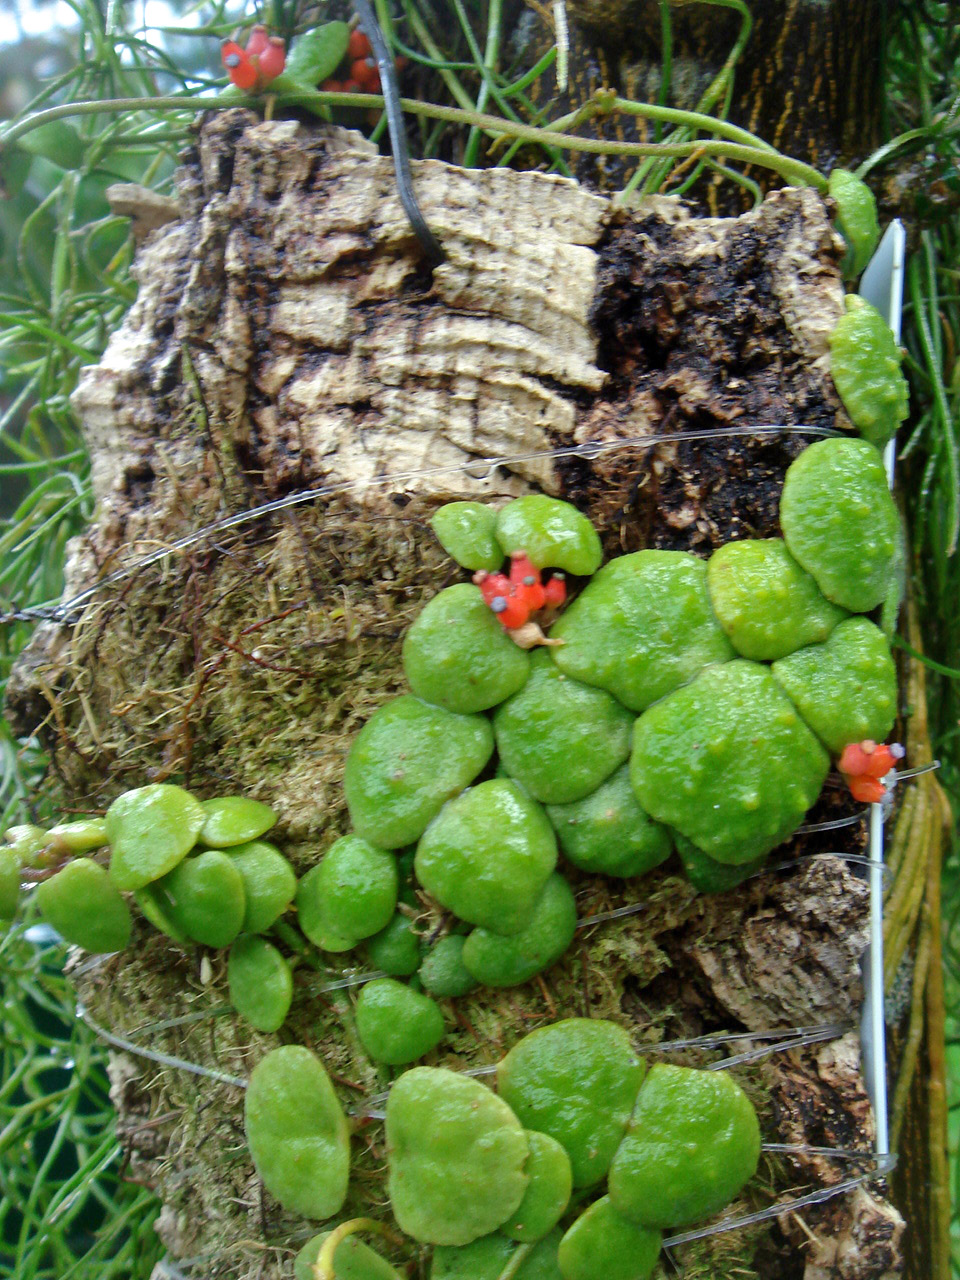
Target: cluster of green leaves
x,y
65,285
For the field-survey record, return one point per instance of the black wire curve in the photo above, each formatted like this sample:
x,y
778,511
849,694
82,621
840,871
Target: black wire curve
x,y
398,136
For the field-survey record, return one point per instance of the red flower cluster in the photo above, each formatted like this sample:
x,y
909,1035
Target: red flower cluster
x,y
516,598
252,68
864,765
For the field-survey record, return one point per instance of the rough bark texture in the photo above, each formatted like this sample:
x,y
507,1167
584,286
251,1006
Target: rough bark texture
x,y
285,337
810,79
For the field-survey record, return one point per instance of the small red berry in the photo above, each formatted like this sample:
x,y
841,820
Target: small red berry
x,y
358,46
366,75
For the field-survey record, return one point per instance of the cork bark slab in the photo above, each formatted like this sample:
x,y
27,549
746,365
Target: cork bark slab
x,y
286,337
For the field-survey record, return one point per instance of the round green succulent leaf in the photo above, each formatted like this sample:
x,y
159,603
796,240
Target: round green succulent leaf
x,y
443,972
706,874
603,1245
204,898
405,763
499,961
269,883
857,219
641,628
150,830
551,533
845,689
548,1190
486,1258
727,762
577,1081
865,364
152,908
840,522
234,820
467,532
396,948
396,1024
693,1141
297,1133
766,603
351,893
457,655
260,982
81,836
29,842
559,737
455,1157
352,1260
487,856
85,907
608,832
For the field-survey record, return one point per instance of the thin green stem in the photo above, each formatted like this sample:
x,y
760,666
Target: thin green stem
x,y
666,61
949,440
789,168
515,1261
488,68
952,673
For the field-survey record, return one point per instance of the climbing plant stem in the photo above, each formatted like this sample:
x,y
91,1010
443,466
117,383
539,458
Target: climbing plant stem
x,y
323,1268
792,170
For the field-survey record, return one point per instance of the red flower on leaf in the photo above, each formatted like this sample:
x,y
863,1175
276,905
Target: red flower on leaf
x,y
252,69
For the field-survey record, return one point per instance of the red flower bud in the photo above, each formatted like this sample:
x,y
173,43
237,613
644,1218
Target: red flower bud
x,y
555,591
866,790
239,67
272,60
513,614
257,40
854,760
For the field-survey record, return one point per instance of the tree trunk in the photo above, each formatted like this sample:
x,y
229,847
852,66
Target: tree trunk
x,y
810,79
287,337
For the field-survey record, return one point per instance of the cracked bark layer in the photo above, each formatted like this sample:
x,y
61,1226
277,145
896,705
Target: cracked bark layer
x,y
286,336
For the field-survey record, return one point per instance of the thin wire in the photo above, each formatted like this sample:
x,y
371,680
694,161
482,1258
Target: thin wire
x,y
478,469
164,1059
835,825
714,1039
915,773
634,908
884,1165
814,1036
858,860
